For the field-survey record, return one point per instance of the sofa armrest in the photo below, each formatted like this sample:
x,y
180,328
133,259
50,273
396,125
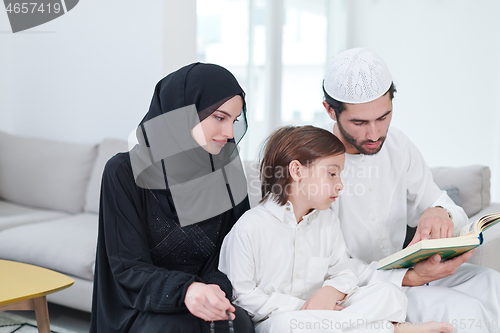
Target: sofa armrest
x,y
487,254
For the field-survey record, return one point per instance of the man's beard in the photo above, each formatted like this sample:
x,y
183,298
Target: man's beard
x,y
359,146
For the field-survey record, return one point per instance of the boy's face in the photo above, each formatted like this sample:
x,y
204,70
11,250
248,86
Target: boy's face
x,y
321,181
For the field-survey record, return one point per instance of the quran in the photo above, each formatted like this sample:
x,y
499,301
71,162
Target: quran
x,y
464,239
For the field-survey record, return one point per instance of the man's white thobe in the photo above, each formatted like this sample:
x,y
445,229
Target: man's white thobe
x,y
382,194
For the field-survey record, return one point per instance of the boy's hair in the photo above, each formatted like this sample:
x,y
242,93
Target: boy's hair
x,y
302,143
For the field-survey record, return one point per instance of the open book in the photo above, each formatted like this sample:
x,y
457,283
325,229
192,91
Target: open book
x,y
464,239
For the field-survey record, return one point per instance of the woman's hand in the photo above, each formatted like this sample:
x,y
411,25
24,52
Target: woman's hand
x,y
208,302
324,299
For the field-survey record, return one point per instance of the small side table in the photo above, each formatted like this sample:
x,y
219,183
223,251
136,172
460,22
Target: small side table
x,y
24,287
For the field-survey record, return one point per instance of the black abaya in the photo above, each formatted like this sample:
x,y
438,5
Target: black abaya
x,y
145,260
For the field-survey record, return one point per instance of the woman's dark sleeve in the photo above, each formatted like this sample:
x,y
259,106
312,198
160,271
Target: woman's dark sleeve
x,y
214,276
138,283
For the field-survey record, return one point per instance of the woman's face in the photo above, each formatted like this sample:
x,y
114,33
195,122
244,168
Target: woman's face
x,y
214,131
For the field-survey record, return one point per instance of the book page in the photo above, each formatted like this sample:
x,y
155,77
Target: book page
x,y
488,220
466,229
480,225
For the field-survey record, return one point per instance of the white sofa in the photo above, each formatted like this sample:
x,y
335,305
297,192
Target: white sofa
x,y
49,202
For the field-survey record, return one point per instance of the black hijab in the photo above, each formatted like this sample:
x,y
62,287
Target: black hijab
x,y
151,247
207,86
167,157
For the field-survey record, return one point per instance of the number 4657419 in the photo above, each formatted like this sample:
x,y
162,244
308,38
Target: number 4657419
x,y
32,7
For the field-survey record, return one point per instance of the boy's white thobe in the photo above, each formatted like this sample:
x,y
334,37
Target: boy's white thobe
x,y
275,264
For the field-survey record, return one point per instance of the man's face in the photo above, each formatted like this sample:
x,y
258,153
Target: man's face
x,y
363,127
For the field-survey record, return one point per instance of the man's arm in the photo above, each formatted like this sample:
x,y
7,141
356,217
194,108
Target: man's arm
x,y
436,222
439,219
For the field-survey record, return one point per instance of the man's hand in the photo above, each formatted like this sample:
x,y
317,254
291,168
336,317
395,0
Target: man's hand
x,y
433,269
208,302
324,299
435,223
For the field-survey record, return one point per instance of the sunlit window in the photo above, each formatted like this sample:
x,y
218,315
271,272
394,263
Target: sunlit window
x,y
234,33
304,57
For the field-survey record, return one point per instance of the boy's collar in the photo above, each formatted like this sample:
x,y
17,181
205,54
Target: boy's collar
x,y
281,212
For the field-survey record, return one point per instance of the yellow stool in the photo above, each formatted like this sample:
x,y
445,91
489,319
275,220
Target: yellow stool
x,y
24,287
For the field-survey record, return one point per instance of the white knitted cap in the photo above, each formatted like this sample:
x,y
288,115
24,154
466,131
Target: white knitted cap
x,y
357,76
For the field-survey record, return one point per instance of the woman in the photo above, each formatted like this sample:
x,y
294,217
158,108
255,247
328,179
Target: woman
x,y
165,208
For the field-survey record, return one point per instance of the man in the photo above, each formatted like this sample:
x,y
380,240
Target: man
x,y
387,186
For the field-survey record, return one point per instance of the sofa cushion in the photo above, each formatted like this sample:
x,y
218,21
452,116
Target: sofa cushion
x,y
473,183
69,244
107,149
45,174
12,215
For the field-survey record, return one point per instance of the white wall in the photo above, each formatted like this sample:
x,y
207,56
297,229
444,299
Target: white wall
x,y
179,34
90,74
445,59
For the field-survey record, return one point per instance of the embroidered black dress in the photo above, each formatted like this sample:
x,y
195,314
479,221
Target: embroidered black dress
x,y
145,259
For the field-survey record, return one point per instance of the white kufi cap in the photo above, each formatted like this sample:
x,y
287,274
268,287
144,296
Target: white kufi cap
x,y
357,76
